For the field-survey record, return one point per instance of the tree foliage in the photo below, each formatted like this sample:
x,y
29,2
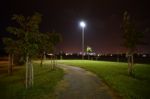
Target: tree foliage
x,y
55,38
131,36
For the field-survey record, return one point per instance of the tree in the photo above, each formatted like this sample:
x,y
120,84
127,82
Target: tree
x,y
88,50
27,34
54,38
45,46
10,47
131,39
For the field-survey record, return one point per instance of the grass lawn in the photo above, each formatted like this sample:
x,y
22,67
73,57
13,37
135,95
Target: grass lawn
x,y
116,76
45,80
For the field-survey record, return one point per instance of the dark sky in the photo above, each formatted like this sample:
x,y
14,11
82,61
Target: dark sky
x,y
103,18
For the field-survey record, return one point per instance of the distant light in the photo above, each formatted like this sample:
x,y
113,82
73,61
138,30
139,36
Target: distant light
x,y
66,54
144,55
98,55
82,24
92,54
50,54
80,53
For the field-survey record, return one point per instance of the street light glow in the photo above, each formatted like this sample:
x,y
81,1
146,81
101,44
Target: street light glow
x,y
82,24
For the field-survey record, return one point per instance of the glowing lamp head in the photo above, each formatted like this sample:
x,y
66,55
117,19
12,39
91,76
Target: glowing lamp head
x,y
82,24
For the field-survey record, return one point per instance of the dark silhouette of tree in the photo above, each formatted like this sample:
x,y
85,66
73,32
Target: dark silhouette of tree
x,y
131,39
27,38
48,42
45,46
54,38
10,48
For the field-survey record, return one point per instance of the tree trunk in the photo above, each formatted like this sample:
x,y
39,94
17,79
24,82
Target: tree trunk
x,y
41,60
32,74
55,61
29,72
12,63
9,63
132,60
27,60
130,65
117,58
88,56
61,57
51,62
44,56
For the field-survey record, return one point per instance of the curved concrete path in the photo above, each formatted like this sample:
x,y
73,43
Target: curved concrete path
x,y
81,84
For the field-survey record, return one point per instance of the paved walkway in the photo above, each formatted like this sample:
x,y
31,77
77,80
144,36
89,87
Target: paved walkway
x,y
81,84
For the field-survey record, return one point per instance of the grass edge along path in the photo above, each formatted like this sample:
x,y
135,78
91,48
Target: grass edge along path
x,y
45,81
115,75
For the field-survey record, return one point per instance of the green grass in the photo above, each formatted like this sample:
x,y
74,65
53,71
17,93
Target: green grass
x,y
115,75
45,80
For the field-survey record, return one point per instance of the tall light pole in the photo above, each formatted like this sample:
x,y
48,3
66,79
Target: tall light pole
x,y
83,25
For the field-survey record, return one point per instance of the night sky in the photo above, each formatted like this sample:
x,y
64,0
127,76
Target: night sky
x,y
103,18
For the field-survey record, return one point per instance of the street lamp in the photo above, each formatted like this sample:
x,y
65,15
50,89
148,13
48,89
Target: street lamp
x,y
83,25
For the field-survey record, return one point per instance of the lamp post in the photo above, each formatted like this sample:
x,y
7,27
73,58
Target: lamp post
x,y
82,24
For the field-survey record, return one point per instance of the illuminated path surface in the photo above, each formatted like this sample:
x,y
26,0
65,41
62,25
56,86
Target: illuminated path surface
x,y
81,84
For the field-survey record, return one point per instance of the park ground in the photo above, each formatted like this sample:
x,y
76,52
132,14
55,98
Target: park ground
x,y
81,84
45,80
113,74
